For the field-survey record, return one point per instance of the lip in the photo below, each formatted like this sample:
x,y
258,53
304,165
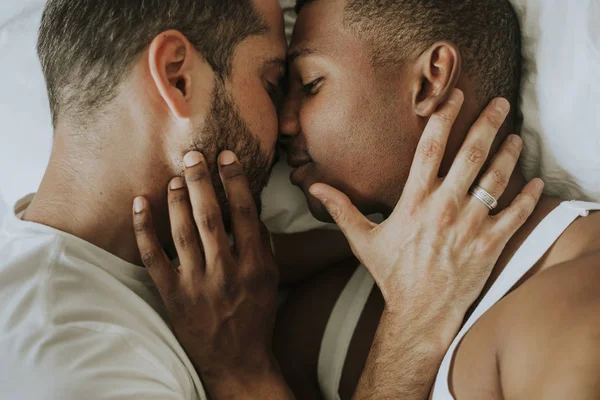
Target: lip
x,y
298,174
296,162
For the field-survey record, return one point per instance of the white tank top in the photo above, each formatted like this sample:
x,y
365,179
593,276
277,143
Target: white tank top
x,y
346,313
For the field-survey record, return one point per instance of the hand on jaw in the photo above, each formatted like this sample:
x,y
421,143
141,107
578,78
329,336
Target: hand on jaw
x,y
433,255
222,300
430,259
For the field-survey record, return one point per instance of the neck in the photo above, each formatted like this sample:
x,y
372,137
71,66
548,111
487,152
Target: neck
x,y
91,196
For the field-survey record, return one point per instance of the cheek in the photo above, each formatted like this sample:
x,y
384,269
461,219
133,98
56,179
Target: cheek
x,y
259,113
335,135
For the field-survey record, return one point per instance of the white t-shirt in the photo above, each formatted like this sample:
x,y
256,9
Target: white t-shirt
x,y
77,323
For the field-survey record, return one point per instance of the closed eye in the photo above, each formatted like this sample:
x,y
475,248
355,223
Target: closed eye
x,y
275,91
312,88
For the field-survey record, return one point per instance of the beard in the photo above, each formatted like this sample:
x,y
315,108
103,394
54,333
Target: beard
x,y
224,130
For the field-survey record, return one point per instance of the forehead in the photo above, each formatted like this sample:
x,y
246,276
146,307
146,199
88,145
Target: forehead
x,y
264,50
273,15
320,31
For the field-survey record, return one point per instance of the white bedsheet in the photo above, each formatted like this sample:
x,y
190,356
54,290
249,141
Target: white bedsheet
x,y
3,208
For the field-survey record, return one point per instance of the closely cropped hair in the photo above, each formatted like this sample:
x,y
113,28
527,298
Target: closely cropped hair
x,y
87,47
486,32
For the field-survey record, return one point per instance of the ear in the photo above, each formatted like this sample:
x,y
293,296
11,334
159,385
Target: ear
x,y
171,62
438,70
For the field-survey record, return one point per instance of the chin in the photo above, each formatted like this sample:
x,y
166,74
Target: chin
x,y
318,210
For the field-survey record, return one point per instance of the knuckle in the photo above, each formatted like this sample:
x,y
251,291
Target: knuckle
x,y
233,172
185,237
446,219
220,258
149,259
177,199
227,289
258,277
513,151
338,215
209,219
431,149
514,148
521,215
174,299
475,154
447,215
245,210
141,226
199,174
494,119
445,117
499,178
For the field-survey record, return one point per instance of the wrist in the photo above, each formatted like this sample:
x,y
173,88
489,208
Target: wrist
x,y
433,327
264,383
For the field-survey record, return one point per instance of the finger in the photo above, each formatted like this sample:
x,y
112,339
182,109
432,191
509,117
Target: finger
x,y
153,256
205,208
496,178
509,221
432,146
183,229
272,269
353,224
265,236
476,148
244,214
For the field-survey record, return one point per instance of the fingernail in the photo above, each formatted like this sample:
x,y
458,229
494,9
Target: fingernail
x,y
541,185
138,205
517,141
192,159
456,97
316,193
502,105
177,183
227,158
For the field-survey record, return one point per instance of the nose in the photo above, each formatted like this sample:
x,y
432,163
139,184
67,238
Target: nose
x,y
289,125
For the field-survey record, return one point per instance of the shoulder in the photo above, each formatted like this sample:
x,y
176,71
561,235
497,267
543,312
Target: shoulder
x,y
550,329
74,363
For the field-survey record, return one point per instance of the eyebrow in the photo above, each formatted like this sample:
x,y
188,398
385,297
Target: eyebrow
x,y
294,55
278,61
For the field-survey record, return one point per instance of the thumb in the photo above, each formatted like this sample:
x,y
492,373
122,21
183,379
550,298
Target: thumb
x,y
350,220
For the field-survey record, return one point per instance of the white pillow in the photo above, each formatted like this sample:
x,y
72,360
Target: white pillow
x,y
561,95
26,132
3,208
560,98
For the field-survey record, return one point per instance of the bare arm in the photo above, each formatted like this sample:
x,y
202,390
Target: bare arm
x,y
403,360
550,348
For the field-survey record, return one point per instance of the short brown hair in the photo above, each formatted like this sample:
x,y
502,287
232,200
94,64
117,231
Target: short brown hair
x,y
87,46
486,32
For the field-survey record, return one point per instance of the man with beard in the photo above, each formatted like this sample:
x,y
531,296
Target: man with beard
x,y
353,120
134,88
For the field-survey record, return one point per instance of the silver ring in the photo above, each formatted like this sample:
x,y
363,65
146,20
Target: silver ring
x,y
481,194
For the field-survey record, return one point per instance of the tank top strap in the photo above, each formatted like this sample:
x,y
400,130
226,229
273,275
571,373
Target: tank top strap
x,y
532,250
